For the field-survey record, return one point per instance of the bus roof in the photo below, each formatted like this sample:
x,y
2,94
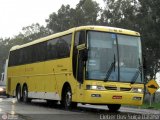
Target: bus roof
x,y
90,27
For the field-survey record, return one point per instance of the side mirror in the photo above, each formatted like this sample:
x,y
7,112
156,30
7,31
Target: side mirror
x,y
144,62
85,54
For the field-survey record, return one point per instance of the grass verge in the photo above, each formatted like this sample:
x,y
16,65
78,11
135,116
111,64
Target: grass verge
x,y
153,106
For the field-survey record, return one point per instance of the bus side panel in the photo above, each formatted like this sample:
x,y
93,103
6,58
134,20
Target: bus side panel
x,y
49,80
63,72
33,74
16,75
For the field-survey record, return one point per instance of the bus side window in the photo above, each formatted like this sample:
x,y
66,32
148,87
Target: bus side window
x,y
82,37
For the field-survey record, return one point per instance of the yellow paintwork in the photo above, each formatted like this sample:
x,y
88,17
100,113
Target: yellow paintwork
x,y
50,76
96,28
106,95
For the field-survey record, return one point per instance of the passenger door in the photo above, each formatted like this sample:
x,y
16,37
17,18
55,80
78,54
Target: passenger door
x,y
78,63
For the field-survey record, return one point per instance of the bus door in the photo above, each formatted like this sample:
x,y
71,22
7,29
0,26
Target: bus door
x,y
79,62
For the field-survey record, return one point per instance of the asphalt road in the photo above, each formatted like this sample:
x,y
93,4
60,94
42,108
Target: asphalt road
x,y
40,110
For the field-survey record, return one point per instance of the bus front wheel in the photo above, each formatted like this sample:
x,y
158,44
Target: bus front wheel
x,y
114,107
67,99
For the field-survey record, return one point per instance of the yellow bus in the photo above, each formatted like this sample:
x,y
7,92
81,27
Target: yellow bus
x,y
86,64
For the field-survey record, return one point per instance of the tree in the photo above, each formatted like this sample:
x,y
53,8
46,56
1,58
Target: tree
x,y
62,20
121,13
150,22
85,13
3,52
34,31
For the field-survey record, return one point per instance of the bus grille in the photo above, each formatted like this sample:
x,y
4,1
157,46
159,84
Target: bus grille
x,y
125,89
117,88
110,88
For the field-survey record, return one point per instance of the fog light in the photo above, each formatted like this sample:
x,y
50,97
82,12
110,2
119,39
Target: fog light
x,y
95,95
137,98
95,87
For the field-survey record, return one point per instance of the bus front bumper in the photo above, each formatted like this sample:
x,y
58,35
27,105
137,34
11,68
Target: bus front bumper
x,y
116,97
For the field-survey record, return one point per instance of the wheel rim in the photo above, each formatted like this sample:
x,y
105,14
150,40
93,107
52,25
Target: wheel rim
x,y
68,98
18,95
25,95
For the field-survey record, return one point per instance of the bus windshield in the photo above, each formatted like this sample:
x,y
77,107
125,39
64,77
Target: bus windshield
x,y
113,57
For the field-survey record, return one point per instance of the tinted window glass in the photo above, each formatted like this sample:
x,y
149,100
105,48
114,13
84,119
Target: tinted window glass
x,y
21,56
59,47
11,58
76,42
63,46
29,54
52,49
40,51
82,37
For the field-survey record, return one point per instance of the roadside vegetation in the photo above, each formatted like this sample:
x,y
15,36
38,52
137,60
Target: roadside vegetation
x,y
153,106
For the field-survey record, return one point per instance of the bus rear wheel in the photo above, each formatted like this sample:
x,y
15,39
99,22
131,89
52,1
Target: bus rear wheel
x,y
114,107
25,95
18,93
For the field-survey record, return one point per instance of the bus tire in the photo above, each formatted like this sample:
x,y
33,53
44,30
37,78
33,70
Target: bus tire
x,y
25,94
67,99
18,93
114,107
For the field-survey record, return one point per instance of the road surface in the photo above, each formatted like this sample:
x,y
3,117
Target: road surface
x,y
39,110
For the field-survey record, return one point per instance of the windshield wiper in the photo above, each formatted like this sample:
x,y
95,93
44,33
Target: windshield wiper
x,y
134,78
110,70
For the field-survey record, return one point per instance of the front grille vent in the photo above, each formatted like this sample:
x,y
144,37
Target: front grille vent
x,y
125,89
110,88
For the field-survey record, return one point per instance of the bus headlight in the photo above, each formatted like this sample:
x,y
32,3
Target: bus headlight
x,y
137,90
95,87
